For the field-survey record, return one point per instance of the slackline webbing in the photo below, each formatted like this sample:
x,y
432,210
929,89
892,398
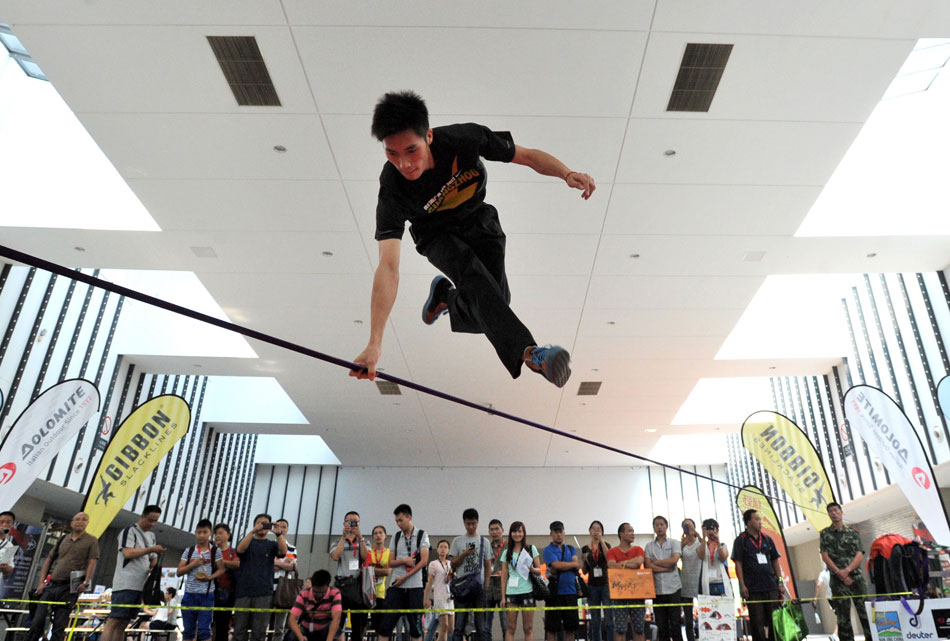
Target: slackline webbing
x,y
66,272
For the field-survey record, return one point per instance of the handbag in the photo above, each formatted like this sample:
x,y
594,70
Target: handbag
x,y
288,587
583,590
468,585
785,622
368,592
539,587
152,592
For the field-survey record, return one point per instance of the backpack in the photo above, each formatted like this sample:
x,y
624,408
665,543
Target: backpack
x,y
424,571
896,564
213,549
152,592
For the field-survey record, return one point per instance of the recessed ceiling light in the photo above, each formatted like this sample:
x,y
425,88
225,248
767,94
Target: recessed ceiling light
x,y
594,369
327,254
197,365
634,255
871,255
204,252
358,321
771,366
753,257
79,249
574,431
611,322
650,429
280,149
669,152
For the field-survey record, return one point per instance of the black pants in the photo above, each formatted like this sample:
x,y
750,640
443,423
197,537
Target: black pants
x,y
61,613
667,617
472,255
760,614
357,619
221,619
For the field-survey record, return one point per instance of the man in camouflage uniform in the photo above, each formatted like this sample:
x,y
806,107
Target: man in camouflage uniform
x,y
842,552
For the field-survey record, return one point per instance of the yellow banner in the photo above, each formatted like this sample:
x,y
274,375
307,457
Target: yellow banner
x,y
138,445
785,452
752,498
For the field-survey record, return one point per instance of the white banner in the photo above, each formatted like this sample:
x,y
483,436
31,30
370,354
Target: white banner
x,y
889,434
891,621
40,433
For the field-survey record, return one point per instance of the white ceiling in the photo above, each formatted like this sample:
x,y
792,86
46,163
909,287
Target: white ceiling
x,y
589,85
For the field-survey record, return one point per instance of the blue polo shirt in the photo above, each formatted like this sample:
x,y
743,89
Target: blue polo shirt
x,y
566,581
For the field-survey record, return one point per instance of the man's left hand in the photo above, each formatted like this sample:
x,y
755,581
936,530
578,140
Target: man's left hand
x,y
584,182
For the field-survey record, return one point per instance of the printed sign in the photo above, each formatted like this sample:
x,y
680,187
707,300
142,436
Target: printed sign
x,y
891,621
717,618
631,584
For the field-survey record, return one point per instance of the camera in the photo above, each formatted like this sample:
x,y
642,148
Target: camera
x,y
353,523
266,526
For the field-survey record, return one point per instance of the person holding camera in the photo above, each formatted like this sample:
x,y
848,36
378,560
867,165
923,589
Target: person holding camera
x,y
254,587
8,546
282,567
472,567
349,553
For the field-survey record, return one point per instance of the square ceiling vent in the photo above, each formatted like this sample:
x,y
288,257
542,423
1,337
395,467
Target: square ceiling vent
x,y
699,76
244,69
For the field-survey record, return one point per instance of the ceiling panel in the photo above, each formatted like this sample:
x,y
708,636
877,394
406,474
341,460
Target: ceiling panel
x,y
133,12
672,292
237,147
732,152
611,322
607,62
777,78
246,205
163,68
711,210
610,14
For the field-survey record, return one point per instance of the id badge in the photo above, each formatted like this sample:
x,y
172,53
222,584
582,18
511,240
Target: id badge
x,y
513,581
598,572
761,558
354,564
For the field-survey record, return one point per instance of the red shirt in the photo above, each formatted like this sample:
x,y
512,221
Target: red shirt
x,y
617,555
226,580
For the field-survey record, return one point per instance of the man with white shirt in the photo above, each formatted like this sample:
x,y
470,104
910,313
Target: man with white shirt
x,y
8,546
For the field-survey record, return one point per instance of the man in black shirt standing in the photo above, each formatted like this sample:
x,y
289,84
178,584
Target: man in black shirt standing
x,y
435,180
757,569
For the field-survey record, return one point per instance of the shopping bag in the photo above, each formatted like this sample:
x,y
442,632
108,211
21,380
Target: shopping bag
x,y
369,586
288,587
785,623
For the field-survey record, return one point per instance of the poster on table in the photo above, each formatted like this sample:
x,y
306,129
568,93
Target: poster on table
x,y
40,432
717,618
752,498
892,621
136,448
891,437
785,452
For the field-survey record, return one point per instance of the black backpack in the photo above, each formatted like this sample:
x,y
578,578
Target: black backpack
x,y
896,564
152,593
425,570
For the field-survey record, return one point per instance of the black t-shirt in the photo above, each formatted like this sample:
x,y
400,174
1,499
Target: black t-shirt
x,y
449,192
758,577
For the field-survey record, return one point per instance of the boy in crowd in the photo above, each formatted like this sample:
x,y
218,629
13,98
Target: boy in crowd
x,y
202,565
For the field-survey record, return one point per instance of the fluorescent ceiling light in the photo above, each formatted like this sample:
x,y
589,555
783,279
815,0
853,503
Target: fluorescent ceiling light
x,y
792,316
691,449
717,401
249,399
147,330
53,173
892,181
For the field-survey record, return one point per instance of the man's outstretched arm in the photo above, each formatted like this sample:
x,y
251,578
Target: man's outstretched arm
x,y
385,286
547,165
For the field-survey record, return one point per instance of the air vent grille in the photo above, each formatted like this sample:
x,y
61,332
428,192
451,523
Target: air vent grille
x,y
388,389
589,388
699,76
243,67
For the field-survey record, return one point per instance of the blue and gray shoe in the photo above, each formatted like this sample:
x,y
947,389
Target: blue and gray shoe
x,y
438,301
551,361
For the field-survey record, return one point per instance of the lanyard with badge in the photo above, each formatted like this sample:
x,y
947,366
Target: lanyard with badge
x,y
759,555
354,563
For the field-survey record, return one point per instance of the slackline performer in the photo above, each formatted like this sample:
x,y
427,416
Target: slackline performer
x,y
435,180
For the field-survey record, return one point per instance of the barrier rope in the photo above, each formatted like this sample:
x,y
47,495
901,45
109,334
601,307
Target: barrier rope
x,y
80,607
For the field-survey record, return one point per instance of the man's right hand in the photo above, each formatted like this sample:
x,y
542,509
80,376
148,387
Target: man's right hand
x,y
157,549
368,359
40,588
745,592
